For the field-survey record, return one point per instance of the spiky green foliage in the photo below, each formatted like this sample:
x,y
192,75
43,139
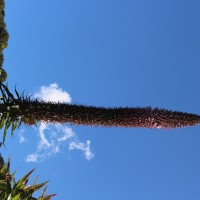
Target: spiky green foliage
x,y
1,58
2,5
1,161
19,190
23,109
3,32
9,111
3,75
4,36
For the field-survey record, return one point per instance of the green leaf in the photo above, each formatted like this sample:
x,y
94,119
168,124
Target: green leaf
x,y
48,197
3,185
7,115
5,87
17,197
14,126
18,96
3,45
4,98
8,165
38,186
3,169
4,134
34,183
13,173
9,197
3,92
24,178
43,192
19,122
7,125
2,123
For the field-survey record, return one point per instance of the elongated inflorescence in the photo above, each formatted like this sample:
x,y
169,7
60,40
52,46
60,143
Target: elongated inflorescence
x,y
30,111
108,117
22,109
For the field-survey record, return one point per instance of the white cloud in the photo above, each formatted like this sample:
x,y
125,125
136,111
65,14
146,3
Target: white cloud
x,y
21,136
44,143
53,137
84,147
32,158
53,93
22,139
68,133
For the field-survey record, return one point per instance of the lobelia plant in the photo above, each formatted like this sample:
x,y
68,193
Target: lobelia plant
x,y
20,109
23,109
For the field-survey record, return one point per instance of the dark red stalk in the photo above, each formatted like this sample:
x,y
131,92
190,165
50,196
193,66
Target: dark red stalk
x,y
147,117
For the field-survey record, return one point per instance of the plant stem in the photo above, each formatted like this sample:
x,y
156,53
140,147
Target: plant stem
x,y
108,117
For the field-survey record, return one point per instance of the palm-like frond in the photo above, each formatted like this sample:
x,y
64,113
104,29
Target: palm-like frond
x,y
19,190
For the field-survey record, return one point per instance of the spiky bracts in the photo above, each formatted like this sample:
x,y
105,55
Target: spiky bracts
x,y
4,36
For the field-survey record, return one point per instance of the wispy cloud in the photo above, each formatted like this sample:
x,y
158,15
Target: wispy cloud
x,y
84,147
53,138
44,143
21,136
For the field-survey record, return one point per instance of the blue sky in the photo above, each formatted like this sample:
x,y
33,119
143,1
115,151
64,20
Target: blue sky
x,y
109,53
